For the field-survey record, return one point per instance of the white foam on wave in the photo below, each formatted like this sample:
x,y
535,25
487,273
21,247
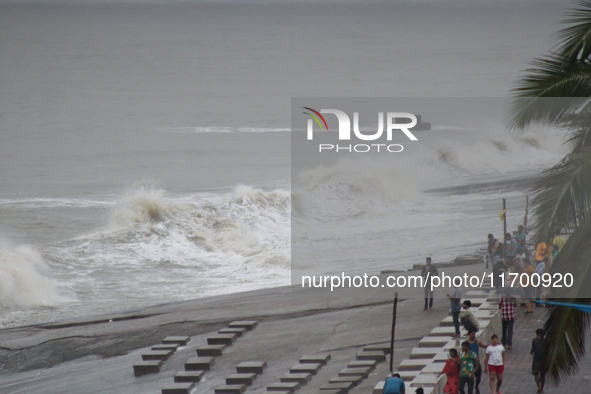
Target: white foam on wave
x,y
22,277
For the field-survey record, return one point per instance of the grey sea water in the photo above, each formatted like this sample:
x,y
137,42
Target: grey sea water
x,y
145,147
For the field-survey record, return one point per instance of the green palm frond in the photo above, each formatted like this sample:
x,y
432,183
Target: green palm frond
x,y
535,97
564,195
576,39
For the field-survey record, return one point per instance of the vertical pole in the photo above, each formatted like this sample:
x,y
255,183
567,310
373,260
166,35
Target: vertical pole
x,y
525,217
504,231
393,330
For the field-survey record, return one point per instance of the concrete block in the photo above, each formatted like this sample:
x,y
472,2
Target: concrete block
x,y
344,379
378,356
379,388
157,355
317,359
230,389
443,332
441,356
332,391
147,367
171,346
238,331
414,364
475,294
362,364
188,376
251,367
432,368
424,352
305,368
210,350
301,378
178,388
199,364
344,387
222,339
364,372
408,376
378,348
241,378
426,380
248,324
182,341
476,302
433,341
289,387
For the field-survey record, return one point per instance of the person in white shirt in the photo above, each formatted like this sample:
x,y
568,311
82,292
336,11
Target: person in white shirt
x,y
495,363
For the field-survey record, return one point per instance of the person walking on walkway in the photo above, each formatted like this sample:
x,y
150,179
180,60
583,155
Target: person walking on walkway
x,y
468,367
507,307
475,346
452,371
495,363
537,349
454,300
427,273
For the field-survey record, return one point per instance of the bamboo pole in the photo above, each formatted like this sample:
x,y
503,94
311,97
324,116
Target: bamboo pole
x,y
504,230
525,217
393,331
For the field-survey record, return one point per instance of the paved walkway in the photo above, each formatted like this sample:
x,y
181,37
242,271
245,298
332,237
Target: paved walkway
x,y
518,377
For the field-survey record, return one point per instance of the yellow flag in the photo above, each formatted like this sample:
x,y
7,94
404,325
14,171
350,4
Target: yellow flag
x,y
502,215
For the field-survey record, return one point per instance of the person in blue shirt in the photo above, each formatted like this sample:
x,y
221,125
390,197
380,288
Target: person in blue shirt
x,y
520,239
394,385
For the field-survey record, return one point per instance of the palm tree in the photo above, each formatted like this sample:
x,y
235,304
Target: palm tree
x,y
557,92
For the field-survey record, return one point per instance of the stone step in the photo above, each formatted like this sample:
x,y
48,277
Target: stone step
x,y
433,341
385,348
301,378
379,387
364,372
289,387
442,356
426,380
306,368
147,367
408,376
378,356
344,379
169,346
199,363
435,367
222,339
178,388
449,322
241,378
182,341
251,367
414,364
157,355
188,376
210,350
362,364
424,353
331,391
316,359
238,331
230,389
344,387
248,324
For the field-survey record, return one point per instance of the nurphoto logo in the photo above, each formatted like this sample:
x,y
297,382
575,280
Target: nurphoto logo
x,y
395,121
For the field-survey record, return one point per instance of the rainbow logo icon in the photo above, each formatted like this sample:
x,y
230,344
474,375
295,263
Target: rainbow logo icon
x,y
316,117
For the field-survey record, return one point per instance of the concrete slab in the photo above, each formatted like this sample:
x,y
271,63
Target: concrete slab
x,y
315,359
210,350
433,342
199,363
378,356
188,376
344,379
171,346
178,388
147,367
248,324
241,378
157,355
362,364
408,376
222,339
251,367
443,332
305,368
379,388
182,341
331,391
238,331
290,387
344,386
364,372
441,356
296,377
230,389
385,348
424,352
426,379
434,367
414,364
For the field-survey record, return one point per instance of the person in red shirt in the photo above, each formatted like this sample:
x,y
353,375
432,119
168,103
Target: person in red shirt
x,y
452,371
